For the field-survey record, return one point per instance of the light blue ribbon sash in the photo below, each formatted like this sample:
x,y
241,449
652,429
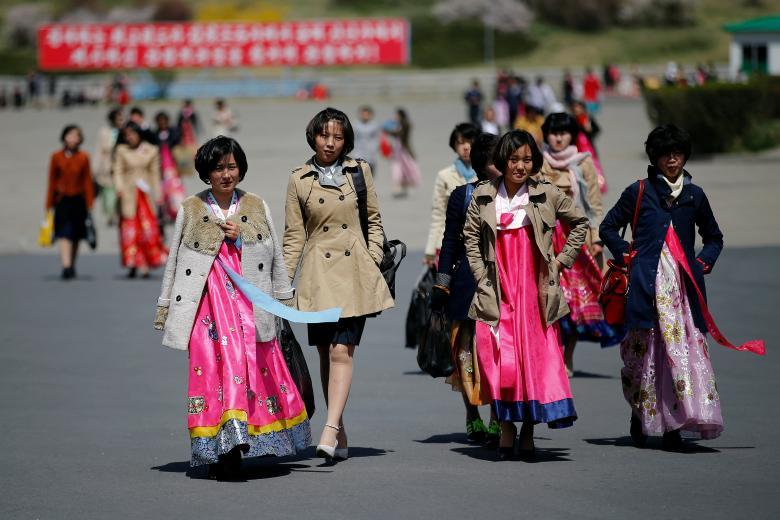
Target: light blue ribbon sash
x,y
268,304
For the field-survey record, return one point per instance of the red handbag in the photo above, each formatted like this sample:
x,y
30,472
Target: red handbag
x,y
614,285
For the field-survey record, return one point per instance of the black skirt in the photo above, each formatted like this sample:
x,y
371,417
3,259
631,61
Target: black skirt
x,y
70,215
346,331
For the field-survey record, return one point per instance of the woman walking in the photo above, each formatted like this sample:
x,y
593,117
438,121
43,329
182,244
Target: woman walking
x,y
509,246
454,291
108,136
336,260
667,376
404,169
137,180
240,396
574,173
172,188
456,174
70,194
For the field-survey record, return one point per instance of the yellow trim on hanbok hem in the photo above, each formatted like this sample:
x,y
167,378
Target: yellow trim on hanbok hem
x,y
240,415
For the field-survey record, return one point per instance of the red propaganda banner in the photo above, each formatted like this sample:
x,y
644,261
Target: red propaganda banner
x,y
380,41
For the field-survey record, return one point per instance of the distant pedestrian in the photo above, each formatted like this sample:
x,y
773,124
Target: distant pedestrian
x,y
336,259
667,374
404,170
567,88
456,174
168,138
241,398
489,124
473,98
136,172
18,98
367,134
188,124
224,121
531,121
589,129
518,300
591,91
70,194
454,291
574,173
137,116
108,137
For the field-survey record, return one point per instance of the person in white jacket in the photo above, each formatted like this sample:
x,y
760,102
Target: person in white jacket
x,y
458,173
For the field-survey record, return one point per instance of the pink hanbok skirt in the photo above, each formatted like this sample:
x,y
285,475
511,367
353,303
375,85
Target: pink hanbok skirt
x,y
404,169
240,392
584,145
521,360
667,376
172,187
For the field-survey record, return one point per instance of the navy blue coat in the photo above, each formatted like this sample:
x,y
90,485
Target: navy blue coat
x,y
454,270
691,210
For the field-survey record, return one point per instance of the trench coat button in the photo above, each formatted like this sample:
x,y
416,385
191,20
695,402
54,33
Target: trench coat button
x,y
341,197
327,255
552,282
347,253
196,244
188,272
178,298
325,228
206,218
259,236
322,201
489,283
260,266
343,226
243,218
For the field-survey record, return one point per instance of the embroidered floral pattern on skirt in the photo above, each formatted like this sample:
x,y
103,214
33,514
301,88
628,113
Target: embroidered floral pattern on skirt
x,y
240,390
667,375
140,240
465,378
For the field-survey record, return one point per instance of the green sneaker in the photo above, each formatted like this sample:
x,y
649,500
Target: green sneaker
x,y
475,430
493,434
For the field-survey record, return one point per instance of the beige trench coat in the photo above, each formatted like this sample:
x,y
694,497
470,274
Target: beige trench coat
x,y
546,204
324,244
446,181
131,166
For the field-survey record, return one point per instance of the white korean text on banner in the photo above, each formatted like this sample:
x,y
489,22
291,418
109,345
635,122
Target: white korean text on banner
x,y
381,41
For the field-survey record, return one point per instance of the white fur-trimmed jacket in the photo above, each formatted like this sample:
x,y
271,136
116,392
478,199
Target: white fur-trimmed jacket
x,y
194,246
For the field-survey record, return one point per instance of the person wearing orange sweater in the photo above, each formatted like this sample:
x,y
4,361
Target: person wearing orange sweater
x,y
70,194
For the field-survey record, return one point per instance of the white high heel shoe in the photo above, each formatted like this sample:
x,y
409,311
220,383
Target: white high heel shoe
x,y
325,451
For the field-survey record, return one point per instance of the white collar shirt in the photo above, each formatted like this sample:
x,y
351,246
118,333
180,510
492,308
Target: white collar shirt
x,y
514,206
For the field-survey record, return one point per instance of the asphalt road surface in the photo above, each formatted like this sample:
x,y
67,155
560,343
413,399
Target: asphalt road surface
x,y
93,408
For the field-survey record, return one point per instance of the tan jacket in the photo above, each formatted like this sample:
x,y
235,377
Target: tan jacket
x,y
195,244
562,180
131,166
446,181
546,204
322,233
102,157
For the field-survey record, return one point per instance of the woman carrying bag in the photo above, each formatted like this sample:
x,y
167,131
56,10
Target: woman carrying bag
x,y
241,398
336,266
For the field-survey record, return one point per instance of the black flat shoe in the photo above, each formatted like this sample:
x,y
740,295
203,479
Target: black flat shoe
x,y
506,452
639,438
132,272
527,454
672,441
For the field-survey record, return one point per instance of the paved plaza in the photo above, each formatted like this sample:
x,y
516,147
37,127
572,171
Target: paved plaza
x,y
93,407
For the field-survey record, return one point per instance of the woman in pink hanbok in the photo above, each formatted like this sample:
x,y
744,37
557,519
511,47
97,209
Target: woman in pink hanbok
x,y
404,169
241,399
667,375
518,301
172,188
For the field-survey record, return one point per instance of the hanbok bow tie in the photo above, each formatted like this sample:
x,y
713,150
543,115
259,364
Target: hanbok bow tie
x,y
506,219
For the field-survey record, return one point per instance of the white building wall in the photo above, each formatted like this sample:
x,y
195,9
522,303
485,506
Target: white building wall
x,y
773,57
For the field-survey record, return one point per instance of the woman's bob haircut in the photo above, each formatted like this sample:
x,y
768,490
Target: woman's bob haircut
x,y
666,139
318,123
510,142
215,150
560,122
465,131
482,153
70,128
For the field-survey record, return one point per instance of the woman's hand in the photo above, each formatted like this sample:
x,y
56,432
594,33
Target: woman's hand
x,y
429,260
596,249
231,230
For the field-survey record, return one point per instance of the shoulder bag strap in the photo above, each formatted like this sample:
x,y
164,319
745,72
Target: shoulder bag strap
x,y
362,196
467,197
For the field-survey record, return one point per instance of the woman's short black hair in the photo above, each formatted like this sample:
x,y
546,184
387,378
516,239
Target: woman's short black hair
x,y
112,114
209,155
68,129
162,114
666,139
560,122
482,153
318,123
135,128
510,142
465,131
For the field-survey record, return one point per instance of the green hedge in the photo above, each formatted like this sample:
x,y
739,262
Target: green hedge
x,y
721,117
436,45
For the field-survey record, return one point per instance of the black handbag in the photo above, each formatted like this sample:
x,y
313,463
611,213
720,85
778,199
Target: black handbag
x,y
296,363
91,234
434,356
419,306
394,251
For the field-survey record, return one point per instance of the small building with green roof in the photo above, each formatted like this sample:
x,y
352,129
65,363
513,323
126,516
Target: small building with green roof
x,y
755,46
